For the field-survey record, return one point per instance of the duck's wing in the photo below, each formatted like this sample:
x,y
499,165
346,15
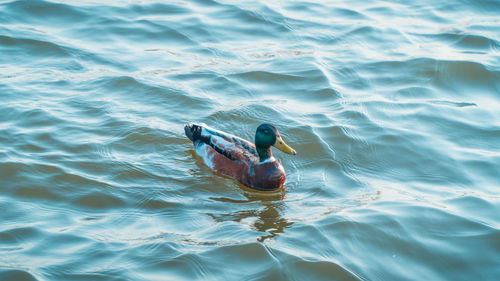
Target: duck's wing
x,y
228,145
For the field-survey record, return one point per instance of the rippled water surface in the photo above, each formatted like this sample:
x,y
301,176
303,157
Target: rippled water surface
x,y
393,108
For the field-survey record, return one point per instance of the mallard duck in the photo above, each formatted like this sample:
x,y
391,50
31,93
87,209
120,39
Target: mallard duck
x,y
251,164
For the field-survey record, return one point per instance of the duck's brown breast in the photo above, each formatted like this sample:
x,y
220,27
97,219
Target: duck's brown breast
x,y
268,175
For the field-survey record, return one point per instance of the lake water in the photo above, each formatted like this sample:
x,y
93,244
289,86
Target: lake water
x,y
392,107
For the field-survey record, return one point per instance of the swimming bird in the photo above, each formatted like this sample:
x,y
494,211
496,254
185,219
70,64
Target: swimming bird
x,y
251,164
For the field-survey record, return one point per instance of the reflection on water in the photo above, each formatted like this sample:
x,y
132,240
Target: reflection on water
x,y
266,217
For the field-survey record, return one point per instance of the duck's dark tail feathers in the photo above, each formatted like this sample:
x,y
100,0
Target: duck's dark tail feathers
x,y
193,131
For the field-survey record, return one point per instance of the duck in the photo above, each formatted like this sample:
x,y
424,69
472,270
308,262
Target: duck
x,y
252,164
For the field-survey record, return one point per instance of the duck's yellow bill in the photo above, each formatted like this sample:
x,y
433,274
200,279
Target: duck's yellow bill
x,y
281,145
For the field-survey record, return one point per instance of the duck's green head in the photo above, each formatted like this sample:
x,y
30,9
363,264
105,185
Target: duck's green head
x,y
267,135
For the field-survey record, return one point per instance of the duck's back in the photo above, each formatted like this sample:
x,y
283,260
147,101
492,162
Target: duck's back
x,y
221,151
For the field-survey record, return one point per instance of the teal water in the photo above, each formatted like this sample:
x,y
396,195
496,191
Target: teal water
x,y
393,108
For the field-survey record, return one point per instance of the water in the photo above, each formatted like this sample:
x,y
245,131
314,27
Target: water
x,y
393,108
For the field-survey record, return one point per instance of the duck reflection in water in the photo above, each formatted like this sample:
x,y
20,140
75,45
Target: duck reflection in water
x,y
266,214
